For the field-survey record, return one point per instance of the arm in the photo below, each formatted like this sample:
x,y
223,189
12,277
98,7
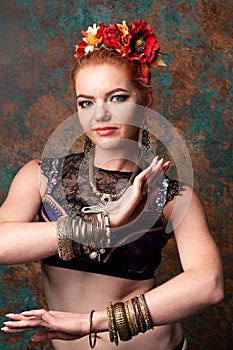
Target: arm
x,y
22,240
198,286
201,282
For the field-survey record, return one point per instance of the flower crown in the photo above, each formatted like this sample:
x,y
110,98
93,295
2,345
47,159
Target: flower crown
x,y
137,44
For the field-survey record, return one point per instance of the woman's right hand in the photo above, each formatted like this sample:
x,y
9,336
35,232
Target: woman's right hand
x,y
56,324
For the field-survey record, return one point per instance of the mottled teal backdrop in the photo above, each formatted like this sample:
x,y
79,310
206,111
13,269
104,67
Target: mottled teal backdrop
x,y
37,39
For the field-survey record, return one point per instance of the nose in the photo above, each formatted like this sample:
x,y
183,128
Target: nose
x,y
102,113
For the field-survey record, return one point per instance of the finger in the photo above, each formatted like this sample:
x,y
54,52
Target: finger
x,y
36,313
32,322
144,175
155,165
17,317
156,173
165,166
16,330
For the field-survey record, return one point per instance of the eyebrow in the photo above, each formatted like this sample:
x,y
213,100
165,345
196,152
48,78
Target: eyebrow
x,y
108,94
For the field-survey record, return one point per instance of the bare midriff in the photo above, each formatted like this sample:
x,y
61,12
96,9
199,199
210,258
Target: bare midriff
x,y
81,292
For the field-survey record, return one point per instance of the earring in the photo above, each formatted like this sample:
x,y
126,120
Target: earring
x,y
145,141
88,145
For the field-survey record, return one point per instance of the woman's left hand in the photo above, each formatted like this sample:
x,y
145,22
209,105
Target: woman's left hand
x,y
58,325
142,192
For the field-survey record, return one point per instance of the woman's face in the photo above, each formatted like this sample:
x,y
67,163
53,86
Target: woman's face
x,y
107,104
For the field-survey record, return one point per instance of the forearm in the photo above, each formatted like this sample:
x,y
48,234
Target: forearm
x,y
183,296
171,302
22,242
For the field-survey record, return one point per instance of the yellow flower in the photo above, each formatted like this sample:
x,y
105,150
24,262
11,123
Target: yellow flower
x,y
123,28
91,39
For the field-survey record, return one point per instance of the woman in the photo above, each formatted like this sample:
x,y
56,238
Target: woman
x,y
108,215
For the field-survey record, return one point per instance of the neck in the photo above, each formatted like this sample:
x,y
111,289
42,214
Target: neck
x,y
124,159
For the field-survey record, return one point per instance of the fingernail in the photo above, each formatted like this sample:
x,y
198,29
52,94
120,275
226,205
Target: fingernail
x,y
166,164
9,315
3,329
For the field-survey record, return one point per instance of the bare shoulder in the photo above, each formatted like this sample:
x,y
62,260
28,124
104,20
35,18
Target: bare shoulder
x,y
183,203
24,192
31,166
29,176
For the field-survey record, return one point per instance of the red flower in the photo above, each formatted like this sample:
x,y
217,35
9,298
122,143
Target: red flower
x,y
112,36
80,48
143,43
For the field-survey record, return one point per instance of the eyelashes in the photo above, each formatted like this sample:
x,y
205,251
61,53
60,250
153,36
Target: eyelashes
x,y
85,104
119,98
115,99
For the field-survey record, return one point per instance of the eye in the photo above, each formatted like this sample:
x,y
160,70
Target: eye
x,y
85,104
119,98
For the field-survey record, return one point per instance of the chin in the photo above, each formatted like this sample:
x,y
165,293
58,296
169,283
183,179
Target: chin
x,y
122,143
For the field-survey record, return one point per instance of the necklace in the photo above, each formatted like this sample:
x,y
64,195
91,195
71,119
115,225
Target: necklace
x,y
107,197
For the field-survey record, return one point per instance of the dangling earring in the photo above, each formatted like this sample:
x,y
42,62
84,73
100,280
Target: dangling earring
x,y
145,141
88,145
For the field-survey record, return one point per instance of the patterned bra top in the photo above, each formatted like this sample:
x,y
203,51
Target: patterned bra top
x,y
137,253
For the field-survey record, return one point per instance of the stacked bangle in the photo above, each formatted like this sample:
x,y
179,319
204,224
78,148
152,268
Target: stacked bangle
x,y
113,335
89,234
64,238
122,324
128,319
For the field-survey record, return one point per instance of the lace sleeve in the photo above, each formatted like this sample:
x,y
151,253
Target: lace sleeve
x,y
46,166
174,188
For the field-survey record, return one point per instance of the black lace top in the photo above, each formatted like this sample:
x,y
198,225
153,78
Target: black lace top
x,y
137,250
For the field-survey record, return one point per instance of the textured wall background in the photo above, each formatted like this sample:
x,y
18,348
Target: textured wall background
x,y
193,93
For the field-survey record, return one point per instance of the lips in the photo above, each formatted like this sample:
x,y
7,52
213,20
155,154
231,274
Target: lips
x,y
105,131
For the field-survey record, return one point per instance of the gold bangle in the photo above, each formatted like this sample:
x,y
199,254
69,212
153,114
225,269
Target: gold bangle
x,y
92,345
130,321
121,322
139,316
133,316
145,311
113,335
